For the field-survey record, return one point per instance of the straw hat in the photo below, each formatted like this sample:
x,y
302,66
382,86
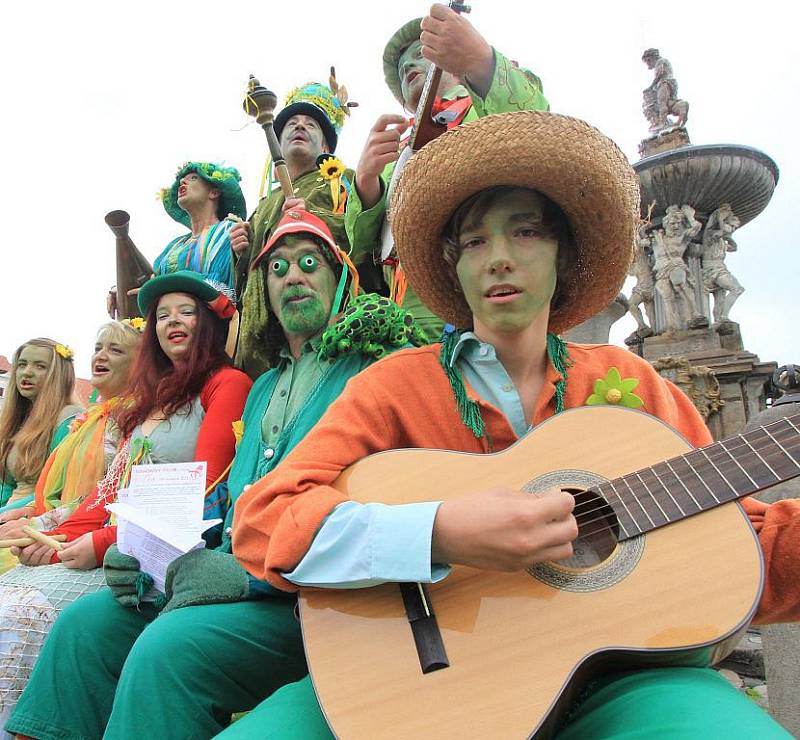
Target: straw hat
x,y
564,158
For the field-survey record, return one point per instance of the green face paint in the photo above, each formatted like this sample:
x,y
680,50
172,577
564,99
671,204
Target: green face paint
x,y
507,265
301,287
301,311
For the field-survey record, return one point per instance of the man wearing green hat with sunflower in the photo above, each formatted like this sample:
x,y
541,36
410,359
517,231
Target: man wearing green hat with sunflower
x,y
201,197
307,128
477,80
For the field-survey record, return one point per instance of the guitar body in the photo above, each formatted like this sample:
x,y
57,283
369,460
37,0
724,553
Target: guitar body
x,y
521,645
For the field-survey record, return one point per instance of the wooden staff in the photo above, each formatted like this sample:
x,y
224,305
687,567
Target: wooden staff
x,y
260,103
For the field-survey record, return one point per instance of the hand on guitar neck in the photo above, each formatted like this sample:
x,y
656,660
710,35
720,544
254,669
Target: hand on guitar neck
x,y
504,530
451,42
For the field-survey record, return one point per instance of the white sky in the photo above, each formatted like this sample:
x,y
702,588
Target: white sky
x,y
103,101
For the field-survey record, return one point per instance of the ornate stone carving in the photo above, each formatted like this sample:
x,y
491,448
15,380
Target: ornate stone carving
x,y
717,279
643,292
662,107
696,381
672,278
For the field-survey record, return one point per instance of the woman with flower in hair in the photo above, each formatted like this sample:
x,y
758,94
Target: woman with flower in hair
x,y
73,469
184,399
35,417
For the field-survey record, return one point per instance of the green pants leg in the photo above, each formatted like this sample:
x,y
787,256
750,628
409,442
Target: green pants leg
x,y
194,667
108,671
674,703
71,689
291,713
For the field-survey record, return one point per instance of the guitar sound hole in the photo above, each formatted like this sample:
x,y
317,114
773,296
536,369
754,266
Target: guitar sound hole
x,y
597,530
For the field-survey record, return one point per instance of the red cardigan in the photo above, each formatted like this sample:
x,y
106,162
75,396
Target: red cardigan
x,y
223,398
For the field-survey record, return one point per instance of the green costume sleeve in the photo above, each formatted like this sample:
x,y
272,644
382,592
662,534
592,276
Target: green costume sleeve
x,y
364,227
513,89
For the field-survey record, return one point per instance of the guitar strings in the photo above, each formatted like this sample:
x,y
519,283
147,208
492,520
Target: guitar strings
x,y
703,466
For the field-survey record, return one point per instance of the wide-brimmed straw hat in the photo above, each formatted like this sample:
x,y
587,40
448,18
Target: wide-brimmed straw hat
x,y
564,158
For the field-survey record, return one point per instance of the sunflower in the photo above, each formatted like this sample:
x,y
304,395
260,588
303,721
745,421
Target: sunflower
x,y
332,168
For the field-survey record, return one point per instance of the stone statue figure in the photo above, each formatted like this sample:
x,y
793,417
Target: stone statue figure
x,y
662,107
672,278
642,292
717,279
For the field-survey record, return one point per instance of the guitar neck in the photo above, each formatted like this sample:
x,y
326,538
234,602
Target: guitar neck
x,y
705,478
425,128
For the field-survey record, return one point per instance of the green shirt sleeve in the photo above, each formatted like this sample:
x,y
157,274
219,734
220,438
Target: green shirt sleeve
x,y
364,227
513,88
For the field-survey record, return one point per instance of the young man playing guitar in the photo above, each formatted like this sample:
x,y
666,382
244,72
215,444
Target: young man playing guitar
x,y
522,226
476,80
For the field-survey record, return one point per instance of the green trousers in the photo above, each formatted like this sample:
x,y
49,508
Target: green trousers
x,y
674,703
118,673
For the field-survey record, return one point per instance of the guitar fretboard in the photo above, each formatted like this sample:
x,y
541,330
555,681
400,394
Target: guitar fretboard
x,y
704,478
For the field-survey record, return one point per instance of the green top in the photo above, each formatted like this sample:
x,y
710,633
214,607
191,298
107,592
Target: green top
x,y
296,379
512,89
251,352
8,484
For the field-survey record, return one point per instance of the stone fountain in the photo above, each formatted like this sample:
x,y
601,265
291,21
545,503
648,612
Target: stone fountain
x,y
693,199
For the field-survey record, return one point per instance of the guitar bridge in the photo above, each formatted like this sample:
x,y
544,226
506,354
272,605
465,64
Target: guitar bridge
x,y
424,627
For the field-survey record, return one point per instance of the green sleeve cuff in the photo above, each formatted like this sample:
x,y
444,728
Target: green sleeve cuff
x,y
363,228
513,88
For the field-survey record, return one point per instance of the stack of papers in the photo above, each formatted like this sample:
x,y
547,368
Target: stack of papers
x,y
160,516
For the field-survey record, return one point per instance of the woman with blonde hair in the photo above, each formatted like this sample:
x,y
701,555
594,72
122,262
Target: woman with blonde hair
x,y
36,416
73,469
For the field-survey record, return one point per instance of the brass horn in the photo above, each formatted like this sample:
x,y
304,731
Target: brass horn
x,y
133,269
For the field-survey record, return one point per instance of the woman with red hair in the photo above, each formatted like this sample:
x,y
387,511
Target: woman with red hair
x,y
185,398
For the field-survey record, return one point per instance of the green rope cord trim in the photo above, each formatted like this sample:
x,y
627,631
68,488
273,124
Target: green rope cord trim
x,y
468,409
557,352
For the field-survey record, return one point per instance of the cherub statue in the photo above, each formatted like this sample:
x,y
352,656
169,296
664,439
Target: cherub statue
x,y
661,102
672,279
717,279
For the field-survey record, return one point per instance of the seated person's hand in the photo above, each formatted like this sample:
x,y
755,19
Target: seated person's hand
x,y
127,582
21,512
205,577
33,555
12,529
79,554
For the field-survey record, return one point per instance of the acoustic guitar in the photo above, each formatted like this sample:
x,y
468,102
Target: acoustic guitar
x,y
666,571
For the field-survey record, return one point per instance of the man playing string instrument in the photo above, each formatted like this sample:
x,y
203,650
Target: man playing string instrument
x,y
522,227
477,80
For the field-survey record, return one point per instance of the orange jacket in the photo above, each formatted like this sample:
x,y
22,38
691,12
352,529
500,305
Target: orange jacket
x,y
406,401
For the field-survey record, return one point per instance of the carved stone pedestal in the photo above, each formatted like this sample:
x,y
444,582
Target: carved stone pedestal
x,y
664,142
725,382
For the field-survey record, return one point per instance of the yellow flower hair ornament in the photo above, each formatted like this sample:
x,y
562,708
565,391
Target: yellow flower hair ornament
x,y
137,323
615,391
64,351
